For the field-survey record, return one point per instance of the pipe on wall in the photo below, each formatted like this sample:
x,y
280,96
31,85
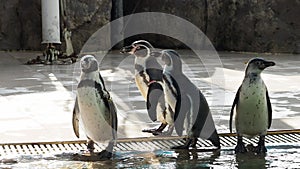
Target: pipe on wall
x,y
50,21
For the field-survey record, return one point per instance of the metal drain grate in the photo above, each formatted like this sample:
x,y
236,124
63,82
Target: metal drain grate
x,y
141,144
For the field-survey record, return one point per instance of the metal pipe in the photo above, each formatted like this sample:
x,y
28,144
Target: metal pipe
x,y
50,21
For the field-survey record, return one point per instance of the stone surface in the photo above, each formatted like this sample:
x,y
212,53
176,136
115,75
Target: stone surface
x,y
84,18
257,26
261,26
20,22
192,10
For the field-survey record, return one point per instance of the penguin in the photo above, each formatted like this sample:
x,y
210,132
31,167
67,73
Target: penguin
x,y
252,106
95,109
191,110
147,78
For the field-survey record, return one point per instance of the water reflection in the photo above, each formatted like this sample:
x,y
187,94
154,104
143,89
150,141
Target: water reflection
x,y
196,159
277,157
251,160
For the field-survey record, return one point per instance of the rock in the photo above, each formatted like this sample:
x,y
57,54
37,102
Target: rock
x,y
260,26
29,17
9,26
83,18
20,22
239,25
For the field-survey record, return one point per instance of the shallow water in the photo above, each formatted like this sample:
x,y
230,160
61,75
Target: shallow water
x,y
279,156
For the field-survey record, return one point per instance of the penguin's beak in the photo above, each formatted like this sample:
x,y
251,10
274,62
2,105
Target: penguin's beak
x,y
269,63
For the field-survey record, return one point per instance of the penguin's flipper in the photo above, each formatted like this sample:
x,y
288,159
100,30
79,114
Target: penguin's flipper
x,y
269,110
102,82
113,118
235,102
155,91
184,111
75,119
176,94
178,113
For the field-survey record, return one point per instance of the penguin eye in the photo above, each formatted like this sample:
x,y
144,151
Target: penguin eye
x,y
87,60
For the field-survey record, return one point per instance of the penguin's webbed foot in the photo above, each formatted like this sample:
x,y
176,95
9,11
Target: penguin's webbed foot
x,y
168,132
187,144
149,130
261,148
105,154
194,142
180,147
158,131
240,147
216,143
90,146
155,132
215,140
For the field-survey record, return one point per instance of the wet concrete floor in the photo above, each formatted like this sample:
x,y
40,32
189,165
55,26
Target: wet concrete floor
x,y
278,157
37,100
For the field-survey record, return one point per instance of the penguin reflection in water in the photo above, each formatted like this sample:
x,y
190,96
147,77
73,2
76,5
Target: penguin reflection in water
x,y
148,79
253,107
94,108
192,112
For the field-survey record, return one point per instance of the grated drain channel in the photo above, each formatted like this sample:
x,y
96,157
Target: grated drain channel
x,y
141,144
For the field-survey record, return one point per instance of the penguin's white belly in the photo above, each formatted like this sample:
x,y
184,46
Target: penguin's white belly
x,y
92,112
252,112
160,110
142,86
170,98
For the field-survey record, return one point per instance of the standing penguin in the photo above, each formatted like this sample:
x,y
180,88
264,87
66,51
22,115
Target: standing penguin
x,y
147,78
94,108
253,106
191,109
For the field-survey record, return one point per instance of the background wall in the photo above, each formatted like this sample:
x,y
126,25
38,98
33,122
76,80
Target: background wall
x,y
21,24
239,25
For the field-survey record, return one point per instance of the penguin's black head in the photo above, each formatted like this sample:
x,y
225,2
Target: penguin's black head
x,y
172,60
140,48
257,65
88,63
